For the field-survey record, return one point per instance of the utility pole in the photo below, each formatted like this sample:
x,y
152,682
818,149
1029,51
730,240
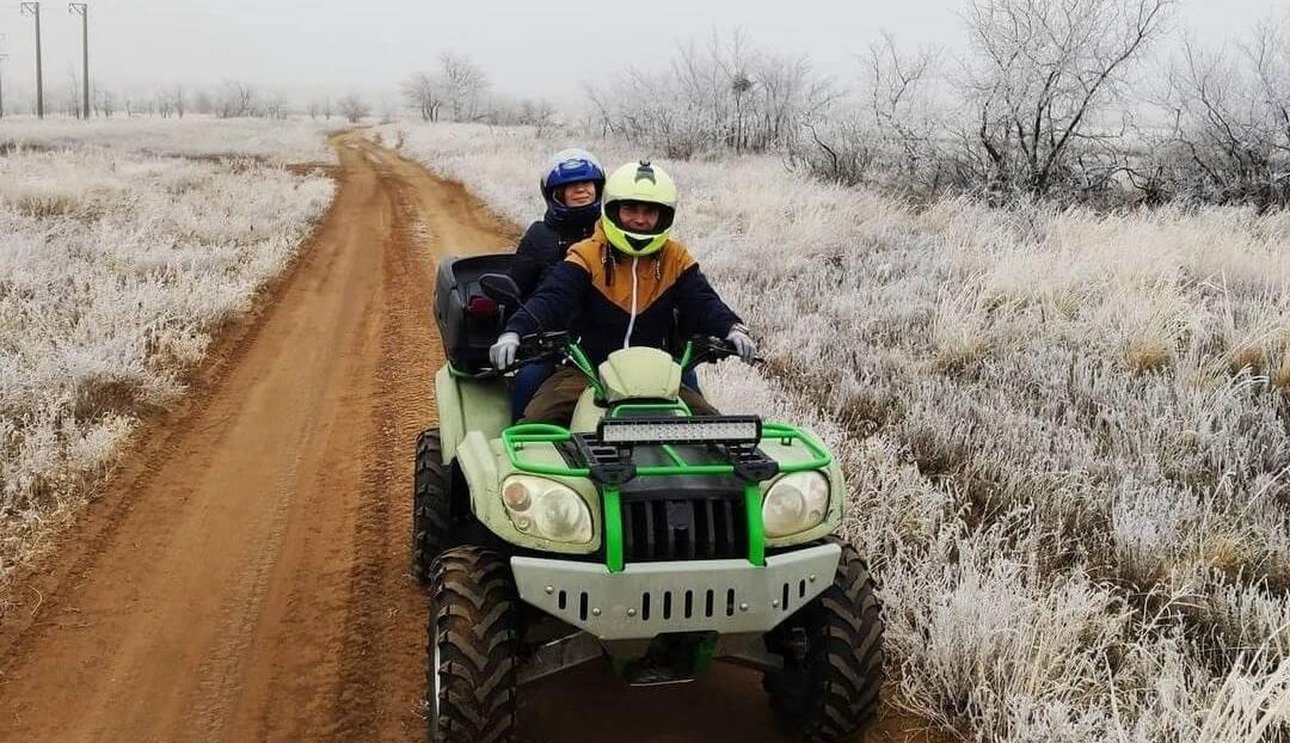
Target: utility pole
x,y
34,9
83,11
3,57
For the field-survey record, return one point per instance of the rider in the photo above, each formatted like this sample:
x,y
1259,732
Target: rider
x,y
571,186
624,286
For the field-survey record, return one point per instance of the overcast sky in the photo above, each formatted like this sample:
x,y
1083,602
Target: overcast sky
x,y
528,48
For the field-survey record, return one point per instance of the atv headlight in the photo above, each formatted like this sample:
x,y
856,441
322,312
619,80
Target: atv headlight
x,y
795,503
546,509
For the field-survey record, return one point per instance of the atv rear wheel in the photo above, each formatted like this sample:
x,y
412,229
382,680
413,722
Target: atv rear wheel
x,y
832,650
431,505
473,642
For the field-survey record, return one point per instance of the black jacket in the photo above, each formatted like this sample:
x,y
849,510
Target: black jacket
x,y
545,244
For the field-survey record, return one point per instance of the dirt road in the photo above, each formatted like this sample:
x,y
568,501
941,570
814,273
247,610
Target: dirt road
x,y
243,577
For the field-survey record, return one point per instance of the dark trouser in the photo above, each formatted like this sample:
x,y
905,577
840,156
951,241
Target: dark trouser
x,y
525,384
558,396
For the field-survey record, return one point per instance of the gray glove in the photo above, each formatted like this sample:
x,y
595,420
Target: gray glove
x,y
502,353
743,344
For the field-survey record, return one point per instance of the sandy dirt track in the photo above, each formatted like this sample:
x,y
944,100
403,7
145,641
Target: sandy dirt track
x,y
244,576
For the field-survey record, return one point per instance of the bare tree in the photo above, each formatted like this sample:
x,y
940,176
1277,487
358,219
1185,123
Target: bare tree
x,y
1229,139
235,99
724,95
106,102
464,83
164,103
274,106
424,94
1042,72
327,108
354,108
888,134
538,114
897,102
178,99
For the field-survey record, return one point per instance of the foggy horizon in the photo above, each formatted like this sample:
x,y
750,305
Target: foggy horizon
x,y
329,48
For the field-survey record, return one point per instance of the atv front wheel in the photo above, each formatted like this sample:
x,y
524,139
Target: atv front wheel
x,y
473,642
431,505
832,650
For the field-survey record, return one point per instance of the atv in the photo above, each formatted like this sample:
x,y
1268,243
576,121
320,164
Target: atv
x,y
640,535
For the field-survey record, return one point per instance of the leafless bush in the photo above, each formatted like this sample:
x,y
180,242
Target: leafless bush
x,y
1229,135
354,108
235,99
725,96
538,114
1026,115
892,133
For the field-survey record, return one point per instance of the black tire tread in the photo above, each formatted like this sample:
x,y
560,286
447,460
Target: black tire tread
x,y
431,505
475,615
834,696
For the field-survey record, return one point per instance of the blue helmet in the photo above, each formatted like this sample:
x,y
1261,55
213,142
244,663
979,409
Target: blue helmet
x,y
572,166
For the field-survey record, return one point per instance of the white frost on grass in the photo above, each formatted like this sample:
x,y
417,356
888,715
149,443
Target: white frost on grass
x,y
1065,432
115,268
287,141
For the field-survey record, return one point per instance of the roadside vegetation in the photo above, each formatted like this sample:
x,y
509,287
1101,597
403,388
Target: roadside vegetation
x,y
117,267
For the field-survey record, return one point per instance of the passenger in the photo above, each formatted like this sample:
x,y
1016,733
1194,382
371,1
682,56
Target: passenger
x,y
571,186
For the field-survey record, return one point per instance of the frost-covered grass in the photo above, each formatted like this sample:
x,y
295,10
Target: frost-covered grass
x,y
277,141
115,269
1066,433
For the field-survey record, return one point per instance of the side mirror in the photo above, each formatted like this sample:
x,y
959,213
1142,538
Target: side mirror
x,y
500,288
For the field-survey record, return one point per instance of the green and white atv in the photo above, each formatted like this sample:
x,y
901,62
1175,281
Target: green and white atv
x,y
657,541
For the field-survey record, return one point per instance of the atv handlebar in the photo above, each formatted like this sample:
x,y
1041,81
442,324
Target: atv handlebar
x,y
706,348
534,347
557,346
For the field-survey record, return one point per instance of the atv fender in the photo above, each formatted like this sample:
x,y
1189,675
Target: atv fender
x,y
469,405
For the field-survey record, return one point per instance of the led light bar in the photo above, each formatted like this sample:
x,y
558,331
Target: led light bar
x,y
727,429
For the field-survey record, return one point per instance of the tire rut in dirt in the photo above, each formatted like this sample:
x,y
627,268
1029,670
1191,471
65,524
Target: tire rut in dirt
x,y
474,634
376,695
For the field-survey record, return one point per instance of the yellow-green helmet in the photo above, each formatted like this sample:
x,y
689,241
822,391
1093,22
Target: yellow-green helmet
x,y
643,183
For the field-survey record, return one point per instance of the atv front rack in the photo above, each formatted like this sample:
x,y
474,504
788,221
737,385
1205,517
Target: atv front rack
x,y
610,465
605,462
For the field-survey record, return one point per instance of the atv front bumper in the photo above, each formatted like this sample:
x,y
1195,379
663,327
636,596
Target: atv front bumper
x,y
647,599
